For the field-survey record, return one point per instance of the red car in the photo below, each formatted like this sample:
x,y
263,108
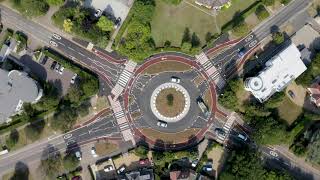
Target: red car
x,y
143,161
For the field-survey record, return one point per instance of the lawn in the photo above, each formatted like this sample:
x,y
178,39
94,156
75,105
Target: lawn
x,y
169,21
105,148
169,137
170,107
289,111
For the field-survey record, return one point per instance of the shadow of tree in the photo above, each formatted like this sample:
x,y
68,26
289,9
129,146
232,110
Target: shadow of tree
x,y
21,172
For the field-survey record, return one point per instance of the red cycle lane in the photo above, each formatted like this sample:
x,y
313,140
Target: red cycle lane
x,y
181,59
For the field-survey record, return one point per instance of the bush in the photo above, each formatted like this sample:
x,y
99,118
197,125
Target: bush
x,y
70,162
64,119
261,12
141,151
278,37
31,8
268,2
13,138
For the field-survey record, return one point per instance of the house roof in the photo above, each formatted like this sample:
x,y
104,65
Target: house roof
x,y
278,73
314,91
15,88
182,175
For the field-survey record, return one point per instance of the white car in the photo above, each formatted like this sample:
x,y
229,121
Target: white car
x,y
78,155
61,70
73,79
93,152
57,67
98,13
175,79
162,124
121,169
108,168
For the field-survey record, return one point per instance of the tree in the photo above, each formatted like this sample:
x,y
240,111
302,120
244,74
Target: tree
x,y
278,37
186,47
241,29
105,24
167,44
261,12
268,2
13,138
186,36
195,41
51,164
34,130
74,95
70,162
275,100
229,98
64,119
141,151
208,37
67,25
55,2
31,8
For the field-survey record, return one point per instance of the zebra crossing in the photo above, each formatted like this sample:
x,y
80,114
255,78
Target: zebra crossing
x,y
210,70
227,128
121,120
123,79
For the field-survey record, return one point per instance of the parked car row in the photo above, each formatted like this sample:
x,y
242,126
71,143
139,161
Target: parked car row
x,y
55,66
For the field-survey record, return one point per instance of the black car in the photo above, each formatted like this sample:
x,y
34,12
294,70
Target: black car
x,y
53,65
242,52
44,60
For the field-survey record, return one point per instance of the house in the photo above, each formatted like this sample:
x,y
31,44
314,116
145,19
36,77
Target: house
x,y
186,174
141,174
16,87
282,69
314,93
214,4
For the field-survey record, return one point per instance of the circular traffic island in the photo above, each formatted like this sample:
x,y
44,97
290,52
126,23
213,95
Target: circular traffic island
x,y
170,102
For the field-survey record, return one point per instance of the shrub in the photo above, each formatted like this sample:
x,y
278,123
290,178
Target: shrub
x,y
261,12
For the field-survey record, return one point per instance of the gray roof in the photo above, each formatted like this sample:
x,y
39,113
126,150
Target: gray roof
x,y
15,87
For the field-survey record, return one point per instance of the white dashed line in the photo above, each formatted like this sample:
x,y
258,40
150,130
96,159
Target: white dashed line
x,y
70,48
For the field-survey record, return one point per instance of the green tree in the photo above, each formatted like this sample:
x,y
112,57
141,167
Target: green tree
x,y
74,95
278,37
268,2
195,41
167,44
141,151
275,100
186,47
105,24
64,119
51,164
186,36
13,138
67,25
262,12
70,162
229,98
34,130
55,2
31,8
241,29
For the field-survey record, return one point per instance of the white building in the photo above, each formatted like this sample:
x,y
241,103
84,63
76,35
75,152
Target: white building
x,y
278,73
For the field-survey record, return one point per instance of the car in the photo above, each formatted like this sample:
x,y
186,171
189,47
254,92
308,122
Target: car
x,y
144,161
53,65
162,124
242,52
242,137
194,163
43,60
117,22
56,36
73,79
207,168
93,152
61,70
291,94
108,168
78,155
121,169
175,79
57,68
202,106
98,13
219,132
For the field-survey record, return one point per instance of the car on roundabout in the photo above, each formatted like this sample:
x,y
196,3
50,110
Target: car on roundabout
x,y
175,79
162,124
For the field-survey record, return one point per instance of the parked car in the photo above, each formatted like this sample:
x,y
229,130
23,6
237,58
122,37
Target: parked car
x,y
53,65
219,132
121,169
44,60
162,124
117,22
175,79
291,94
242,137
98,13
242,52
93,152
108,168
57,68
73,79
61,70
194,163
144,161
78,155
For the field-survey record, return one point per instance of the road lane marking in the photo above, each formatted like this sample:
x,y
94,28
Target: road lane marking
x,y
70,48
81,54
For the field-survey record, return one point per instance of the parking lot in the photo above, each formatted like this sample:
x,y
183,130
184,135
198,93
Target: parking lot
x,y
43,71
115,8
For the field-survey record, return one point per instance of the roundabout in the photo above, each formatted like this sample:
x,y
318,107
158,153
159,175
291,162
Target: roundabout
x,y
170,102
154,97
